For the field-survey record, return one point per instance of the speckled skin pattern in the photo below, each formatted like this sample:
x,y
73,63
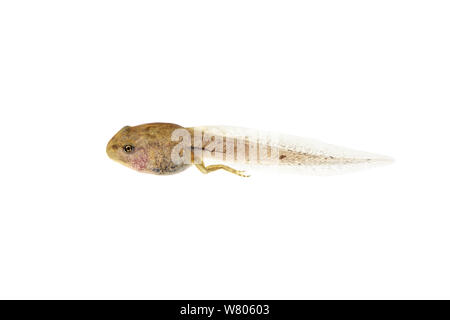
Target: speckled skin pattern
x,y
152,147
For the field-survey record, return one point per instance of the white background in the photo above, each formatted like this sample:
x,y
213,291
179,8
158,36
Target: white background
x,y
370,75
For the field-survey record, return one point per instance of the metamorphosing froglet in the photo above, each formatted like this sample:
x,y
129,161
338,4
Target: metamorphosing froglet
x,y
166,148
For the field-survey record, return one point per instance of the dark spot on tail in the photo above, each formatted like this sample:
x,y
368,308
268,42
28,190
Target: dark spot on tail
x,y
282,157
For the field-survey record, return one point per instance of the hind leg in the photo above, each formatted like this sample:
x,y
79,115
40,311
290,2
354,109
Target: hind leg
x,y
214,167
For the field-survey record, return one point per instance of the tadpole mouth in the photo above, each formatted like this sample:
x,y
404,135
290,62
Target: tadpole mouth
x,y
109,149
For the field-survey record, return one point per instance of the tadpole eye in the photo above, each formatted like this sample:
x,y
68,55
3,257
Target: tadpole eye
x,y
128,148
